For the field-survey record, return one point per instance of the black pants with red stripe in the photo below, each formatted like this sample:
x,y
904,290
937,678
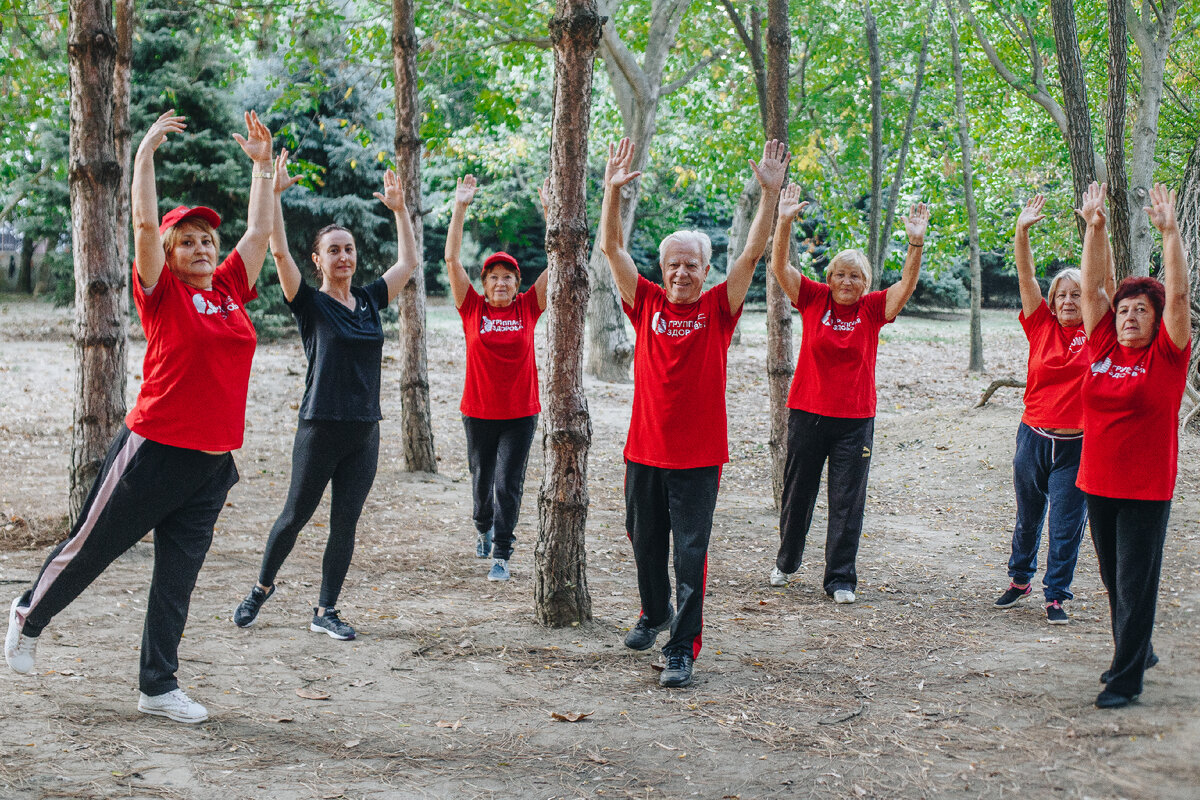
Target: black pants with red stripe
x,y
662,505
142,486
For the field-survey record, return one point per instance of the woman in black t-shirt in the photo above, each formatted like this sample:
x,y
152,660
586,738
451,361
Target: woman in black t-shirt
x,y
337,439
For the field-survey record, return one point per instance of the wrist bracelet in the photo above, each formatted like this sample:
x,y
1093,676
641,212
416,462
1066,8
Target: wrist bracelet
x,y
910,244
267,175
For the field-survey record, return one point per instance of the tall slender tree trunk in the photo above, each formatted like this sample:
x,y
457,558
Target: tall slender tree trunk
x,y
1120,207
561,593
95,176
1188,213
415,419
25,270
964,141
874,229
1075,102
780,358
123,11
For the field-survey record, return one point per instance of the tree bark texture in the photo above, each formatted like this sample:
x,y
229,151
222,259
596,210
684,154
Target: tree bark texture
x,y
780,358
1075,103
1120,208
1152,33
122,133
95,177
561,595
1188,216
874,230
415,419
638,88
975,363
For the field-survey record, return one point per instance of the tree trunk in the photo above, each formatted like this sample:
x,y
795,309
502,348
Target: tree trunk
x,y
561,595
780,359
964,140
1120,208
95,177
874,230
1153,36
25,268
1188,211
1075,103
122,132
415,419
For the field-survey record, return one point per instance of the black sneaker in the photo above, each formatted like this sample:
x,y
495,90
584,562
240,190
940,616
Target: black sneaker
x,y
1110,699
679,670
330,623
1012,594
247,610
643,634
1055,614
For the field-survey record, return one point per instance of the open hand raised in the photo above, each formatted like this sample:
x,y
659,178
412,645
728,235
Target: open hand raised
x,y
916,223
1161,208
393,192
772,170
167,123
620,159
1032,213
283,181
464,192
1091,205
257,142
790,205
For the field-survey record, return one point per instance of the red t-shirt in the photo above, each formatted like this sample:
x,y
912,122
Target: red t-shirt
x,y
199,345
501,380
1131,415
1057,363
678,419
835,373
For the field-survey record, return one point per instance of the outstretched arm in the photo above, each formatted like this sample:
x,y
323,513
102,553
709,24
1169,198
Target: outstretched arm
x,y
612,239
1096,258
1031,292
916,223
407,258
464,193
147,242
1177,311
788,276
285,265
260,216
771,174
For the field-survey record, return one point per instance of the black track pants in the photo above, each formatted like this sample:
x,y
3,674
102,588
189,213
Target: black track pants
x,y
346,454
142,486
1129,537
498,452
846,443
661,506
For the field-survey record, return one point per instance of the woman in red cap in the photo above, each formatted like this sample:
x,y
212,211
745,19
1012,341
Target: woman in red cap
x,y
500,395
171,465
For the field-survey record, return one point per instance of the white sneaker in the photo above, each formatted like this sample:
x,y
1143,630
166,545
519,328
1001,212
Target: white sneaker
x,y
19,649
778,577
843,596
174,705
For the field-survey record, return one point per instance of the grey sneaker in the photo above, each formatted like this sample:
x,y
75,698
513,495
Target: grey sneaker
x,y
173,705
842,596
483,543
778,577
330,623
678,671
19,649
499,570
247,610
642,635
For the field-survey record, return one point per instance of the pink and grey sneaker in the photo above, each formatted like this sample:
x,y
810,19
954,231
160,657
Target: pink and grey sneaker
x,y
1012,594
1055,614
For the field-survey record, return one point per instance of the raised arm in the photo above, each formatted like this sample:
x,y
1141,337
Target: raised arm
x,y
464,193
260,216
407,258
1177,311
770,174
612,238
539,286
147,241
1096,258
1031,292
916,223
285,265
788,276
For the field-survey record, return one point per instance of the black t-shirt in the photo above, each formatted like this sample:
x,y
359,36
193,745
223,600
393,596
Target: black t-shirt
x,y
344,350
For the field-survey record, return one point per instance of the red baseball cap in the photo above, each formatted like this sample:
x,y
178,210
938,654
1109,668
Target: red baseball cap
x,y
501,259
180,213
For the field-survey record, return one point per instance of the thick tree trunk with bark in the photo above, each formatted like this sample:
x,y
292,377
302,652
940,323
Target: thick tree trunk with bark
x,y
1188,215
415,419
561,595
95,176
874,229
975,363
1075,102
1120,208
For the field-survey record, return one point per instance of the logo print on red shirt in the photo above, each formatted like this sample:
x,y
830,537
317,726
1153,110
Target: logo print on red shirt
x,y
1077,343
677,327
840,325
500,325
207,307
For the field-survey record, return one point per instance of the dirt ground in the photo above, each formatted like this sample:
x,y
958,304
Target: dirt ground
x,y
919,690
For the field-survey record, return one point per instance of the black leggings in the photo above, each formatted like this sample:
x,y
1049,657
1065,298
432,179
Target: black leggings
x,y
1129,537
346,453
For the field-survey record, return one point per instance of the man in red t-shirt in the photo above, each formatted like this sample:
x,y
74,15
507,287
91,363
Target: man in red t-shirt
x,y
677,433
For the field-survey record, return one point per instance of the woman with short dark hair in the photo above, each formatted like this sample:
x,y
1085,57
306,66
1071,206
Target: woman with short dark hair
x,y
1138,348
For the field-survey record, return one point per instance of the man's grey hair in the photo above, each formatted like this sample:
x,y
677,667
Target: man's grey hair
x,y
687,237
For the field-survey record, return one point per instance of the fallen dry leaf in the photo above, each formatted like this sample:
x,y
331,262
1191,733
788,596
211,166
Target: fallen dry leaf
x,y
352,743
312,694
281,719
441,723
570,716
